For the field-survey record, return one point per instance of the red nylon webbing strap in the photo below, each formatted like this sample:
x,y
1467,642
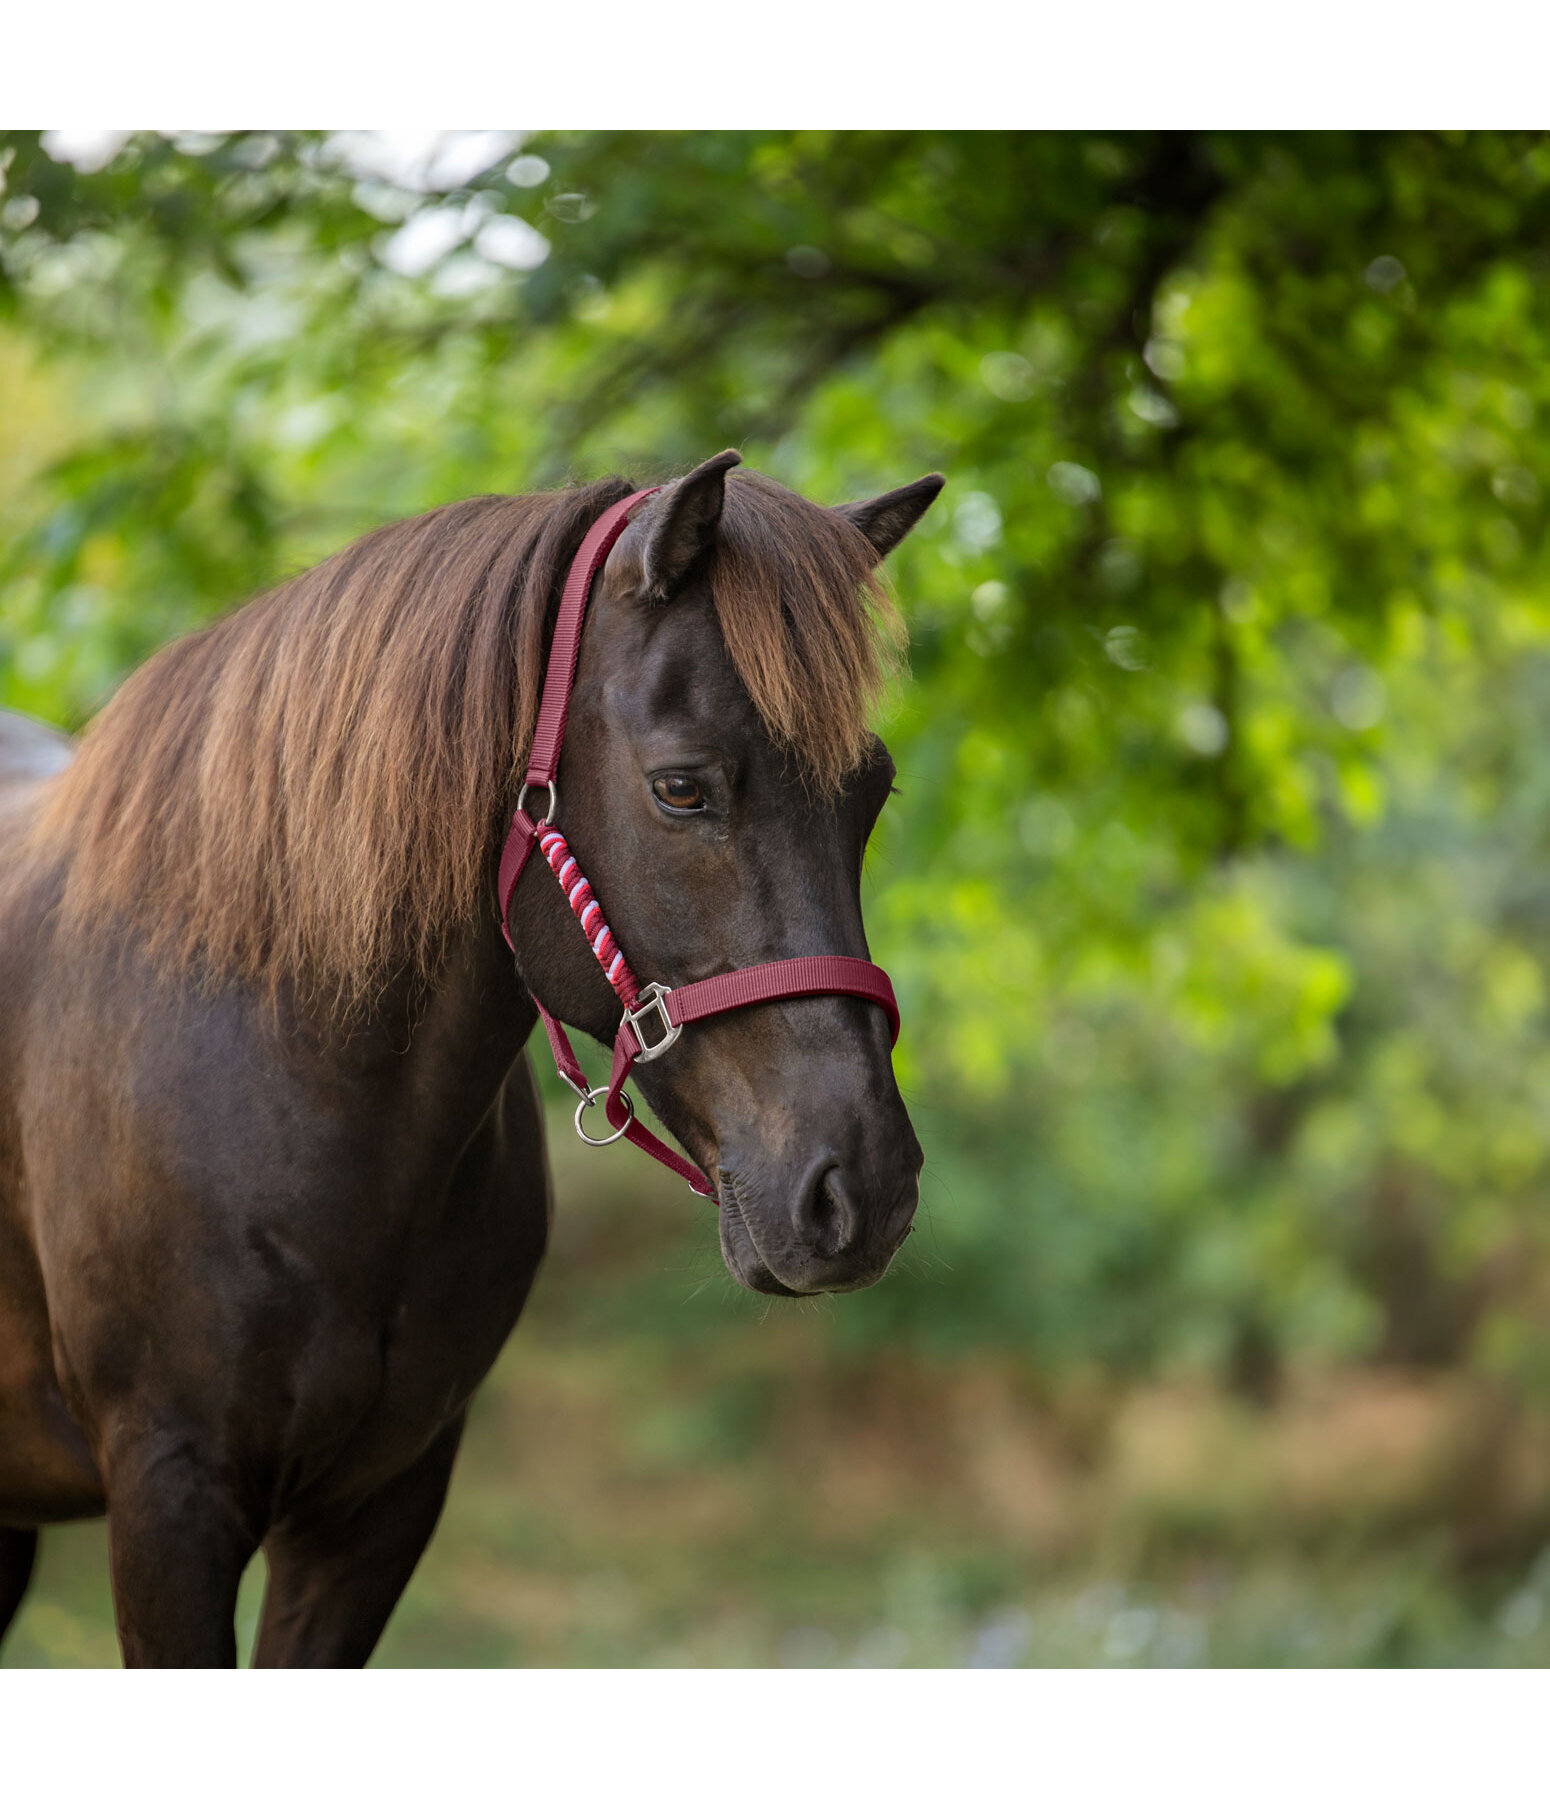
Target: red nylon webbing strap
x,y
559,677
571,1071
792,979
544,757
518,848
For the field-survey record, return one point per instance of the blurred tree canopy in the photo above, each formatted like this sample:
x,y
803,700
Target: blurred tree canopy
x,y
1218,890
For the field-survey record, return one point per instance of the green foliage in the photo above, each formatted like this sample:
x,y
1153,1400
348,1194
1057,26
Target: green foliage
x,y
1215,892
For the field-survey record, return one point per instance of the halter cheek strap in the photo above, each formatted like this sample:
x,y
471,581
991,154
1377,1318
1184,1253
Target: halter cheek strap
x,y
654,1016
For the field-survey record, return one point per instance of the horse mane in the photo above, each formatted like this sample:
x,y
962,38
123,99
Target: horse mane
x,y
310,792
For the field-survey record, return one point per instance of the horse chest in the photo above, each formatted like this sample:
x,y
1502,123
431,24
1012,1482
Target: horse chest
x,y
305,1270
398,1330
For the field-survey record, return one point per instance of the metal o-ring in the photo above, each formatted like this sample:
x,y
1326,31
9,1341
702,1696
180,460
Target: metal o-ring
x,y
598,1143
548,818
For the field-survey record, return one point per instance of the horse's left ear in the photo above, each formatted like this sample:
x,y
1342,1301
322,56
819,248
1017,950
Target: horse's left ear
x,y
889,519
680,524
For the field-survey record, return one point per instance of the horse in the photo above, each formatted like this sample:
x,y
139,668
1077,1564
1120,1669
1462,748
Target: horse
x,y
273,1184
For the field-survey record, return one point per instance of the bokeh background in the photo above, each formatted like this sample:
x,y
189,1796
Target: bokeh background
x,y
1217,889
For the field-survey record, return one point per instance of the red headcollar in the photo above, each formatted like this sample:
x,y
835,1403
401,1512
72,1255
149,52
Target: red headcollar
x,y
654,1009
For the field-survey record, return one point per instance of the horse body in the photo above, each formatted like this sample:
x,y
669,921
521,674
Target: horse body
x,y
305,1258
257,1251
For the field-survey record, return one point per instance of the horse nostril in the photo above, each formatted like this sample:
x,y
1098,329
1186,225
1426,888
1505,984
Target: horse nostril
x,y
826,1215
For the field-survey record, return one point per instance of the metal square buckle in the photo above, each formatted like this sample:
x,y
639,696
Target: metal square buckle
x,y
653,999
579,1088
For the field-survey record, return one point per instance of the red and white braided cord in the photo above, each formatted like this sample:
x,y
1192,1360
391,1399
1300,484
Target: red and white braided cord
x,y
583,903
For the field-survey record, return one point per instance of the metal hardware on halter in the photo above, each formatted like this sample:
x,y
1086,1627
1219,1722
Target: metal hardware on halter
x,y
653,999
554,801
587,1100
578,1088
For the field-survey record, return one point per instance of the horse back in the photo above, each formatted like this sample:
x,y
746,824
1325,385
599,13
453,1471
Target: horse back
x,y
30,750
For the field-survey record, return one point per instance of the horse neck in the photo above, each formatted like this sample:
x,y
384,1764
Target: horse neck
x,y
452,1044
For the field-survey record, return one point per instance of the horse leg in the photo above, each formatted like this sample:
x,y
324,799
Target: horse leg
x,y
335,1579
17,1550
178,1542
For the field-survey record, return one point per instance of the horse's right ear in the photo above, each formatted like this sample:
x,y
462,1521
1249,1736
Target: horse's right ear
x,y
680,524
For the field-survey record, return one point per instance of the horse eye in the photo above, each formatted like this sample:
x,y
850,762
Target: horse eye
x,y
681,792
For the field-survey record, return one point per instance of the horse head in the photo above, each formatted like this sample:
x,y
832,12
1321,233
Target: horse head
x,y
721,823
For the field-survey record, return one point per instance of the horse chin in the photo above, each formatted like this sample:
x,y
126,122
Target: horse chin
x,y
751,1272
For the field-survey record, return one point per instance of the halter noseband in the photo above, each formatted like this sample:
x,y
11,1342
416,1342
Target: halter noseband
x,y
654,1015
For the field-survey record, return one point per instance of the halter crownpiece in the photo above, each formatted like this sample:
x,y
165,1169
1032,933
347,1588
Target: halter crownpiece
x,y
654,1015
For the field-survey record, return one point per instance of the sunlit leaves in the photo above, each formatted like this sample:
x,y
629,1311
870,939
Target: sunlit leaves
x,y
1214,887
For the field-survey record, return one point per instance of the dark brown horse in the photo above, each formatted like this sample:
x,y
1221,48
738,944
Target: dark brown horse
x,y
272,1176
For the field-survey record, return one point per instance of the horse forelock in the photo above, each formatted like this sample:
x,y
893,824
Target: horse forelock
x,y
307,792
808,621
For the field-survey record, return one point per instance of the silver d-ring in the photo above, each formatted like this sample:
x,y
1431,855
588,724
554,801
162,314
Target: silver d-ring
x,y
598,1143
548,818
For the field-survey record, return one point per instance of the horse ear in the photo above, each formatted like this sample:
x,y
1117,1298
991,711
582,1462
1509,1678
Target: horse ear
x,y
889,519
681,523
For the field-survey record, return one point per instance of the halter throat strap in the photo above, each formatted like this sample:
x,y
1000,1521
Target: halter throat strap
x,y
654,1016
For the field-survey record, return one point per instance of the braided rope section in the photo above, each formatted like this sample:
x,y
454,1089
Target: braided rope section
x,y
583,903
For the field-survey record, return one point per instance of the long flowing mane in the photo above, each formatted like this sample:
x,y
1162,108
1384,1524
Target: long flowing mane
x,y
310,791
